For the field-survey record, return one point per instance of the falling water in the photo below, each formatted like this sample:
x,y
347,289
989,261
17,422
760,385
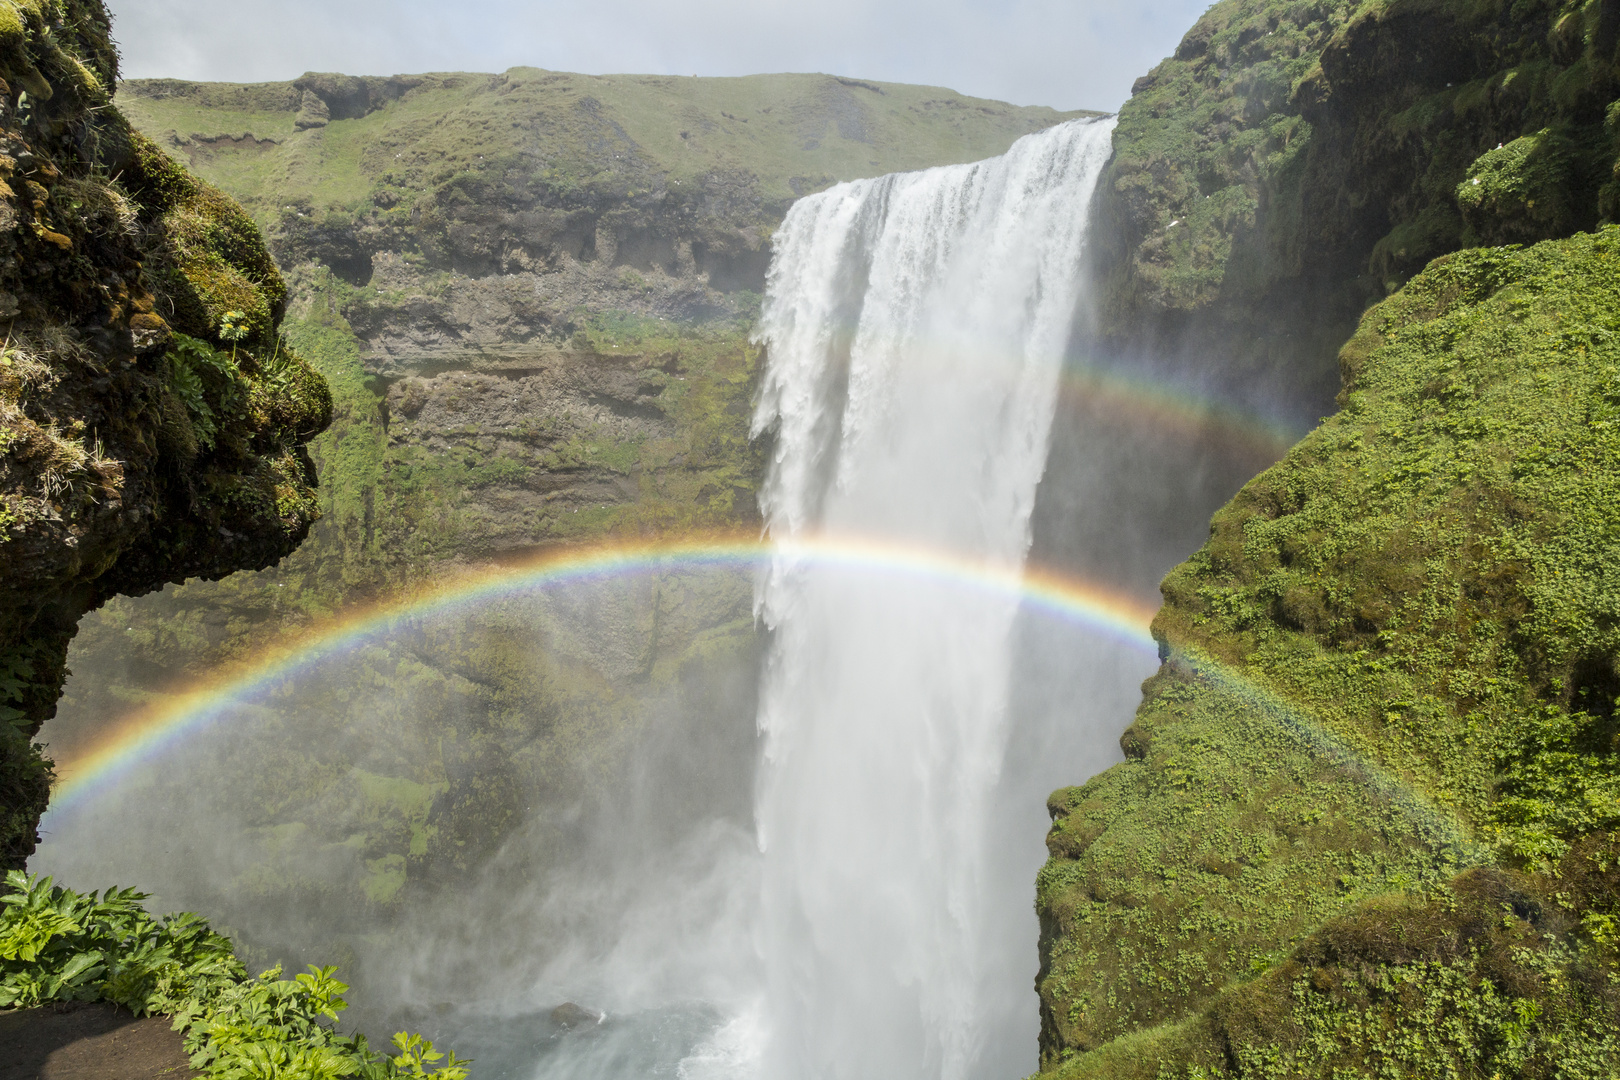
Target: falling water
x,y
916,326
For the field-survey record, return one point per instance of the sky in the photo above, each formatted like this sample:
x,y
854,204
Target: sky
x,y
1070,54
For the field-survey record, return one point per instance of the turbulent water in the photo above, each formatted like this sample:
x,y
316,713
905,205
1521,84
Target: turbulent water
x,y
916,328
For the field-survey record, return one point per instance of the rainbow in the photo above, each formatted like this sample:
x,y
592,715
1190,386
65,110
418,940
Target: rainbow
x,y
147,733
1167,410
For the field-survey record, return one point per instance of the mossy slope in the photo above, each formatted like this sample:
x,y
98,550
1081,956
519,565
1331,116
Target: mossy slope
x,y
1396,659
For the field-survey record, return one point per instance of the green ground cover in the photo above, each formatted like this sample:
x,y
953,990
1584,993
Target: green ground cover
x,y
578,132
1381,768
57,945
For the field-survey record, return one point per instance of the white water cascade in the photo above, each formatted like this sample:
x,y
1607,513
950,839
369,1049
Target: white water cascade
x,y
916,327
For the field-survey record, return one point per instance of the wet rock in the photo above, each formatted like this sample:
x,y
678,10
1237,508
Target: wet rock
x,y
570,1016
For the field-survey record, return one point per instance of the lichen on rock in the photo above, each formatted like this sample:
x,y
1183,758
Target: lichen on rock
x,y
152,421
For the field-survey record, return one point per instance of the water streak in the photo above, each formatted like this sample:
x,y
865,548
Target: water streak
x,y
916,328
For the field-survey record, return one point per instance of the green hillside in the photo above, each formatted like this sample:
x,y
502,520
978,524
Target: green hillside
x,y
1367,824
387,138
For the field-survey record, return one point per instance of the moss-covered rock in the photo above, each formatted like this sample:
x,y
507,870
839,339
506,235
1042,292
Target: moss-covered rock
x,y
1520,191
152,423
204,251
1295,161
1496,974
1396,659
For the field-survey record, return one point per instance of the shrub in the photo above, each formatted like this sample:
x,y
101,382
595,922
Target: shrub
x,y
57,945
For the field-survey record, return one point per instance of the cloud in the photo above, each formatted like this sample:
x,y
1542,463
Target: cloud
x,y
1074,54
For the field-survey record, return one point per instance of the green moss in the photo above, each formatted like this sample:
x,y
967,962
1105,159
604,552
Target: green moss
x,y
1496,974
208,257
13,30
135,455
1294,162
1205,136
1520,191
1395,658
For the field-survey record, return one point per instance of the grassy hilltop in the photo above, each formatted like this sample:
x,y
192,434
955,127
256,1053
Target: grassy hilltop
x,y
334,140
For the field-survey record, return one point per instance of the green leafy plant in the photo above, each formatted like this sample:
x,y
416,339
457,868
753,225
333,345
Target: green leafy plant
x,y
416,1054
60,945
207,382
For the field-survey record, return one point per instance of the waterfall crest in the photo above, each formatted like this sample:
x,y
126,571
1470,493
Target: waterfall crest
x,y
916,326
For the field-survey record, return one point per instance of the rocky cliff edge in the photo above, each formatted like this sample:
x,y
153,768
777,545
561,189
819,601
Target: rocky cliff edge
x,y
152,421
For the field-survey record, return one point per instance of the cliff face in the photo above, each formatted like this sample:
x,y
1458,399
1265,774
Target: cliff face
x,y
482,215
1294,162
152,422
1367,821
555,273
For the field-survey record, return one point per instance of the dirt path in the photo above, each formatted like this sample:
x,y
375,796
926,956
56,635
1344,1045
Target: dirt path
x,y
89,1042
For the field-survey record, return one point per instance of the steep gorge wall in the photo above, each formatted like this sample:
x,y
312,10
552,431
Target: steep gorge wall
x,y
152,420
550,276
1294,162
1367,821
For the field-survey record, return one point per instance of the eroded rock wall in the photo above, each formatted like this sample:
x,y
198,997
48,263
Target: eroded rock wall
x,y
152,422
1294,162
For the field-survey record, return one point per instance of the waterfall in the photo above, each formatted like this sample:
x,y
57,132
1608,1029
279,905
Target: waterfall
x,y
915,327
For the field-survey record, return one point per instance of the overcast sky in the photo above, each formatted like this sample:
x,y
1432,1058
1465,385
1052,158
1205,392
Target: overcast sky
x,y
1065,53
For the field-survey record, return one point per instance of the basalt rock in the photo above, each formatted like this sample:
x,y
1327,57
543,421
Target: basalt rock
x,y
152,422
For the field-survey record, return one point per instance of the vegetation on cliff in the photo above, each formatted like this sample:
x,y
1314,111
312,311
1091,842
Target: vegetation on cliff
x,y
1380,765
1367,824
152,422
57,945
1296,160
346,166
